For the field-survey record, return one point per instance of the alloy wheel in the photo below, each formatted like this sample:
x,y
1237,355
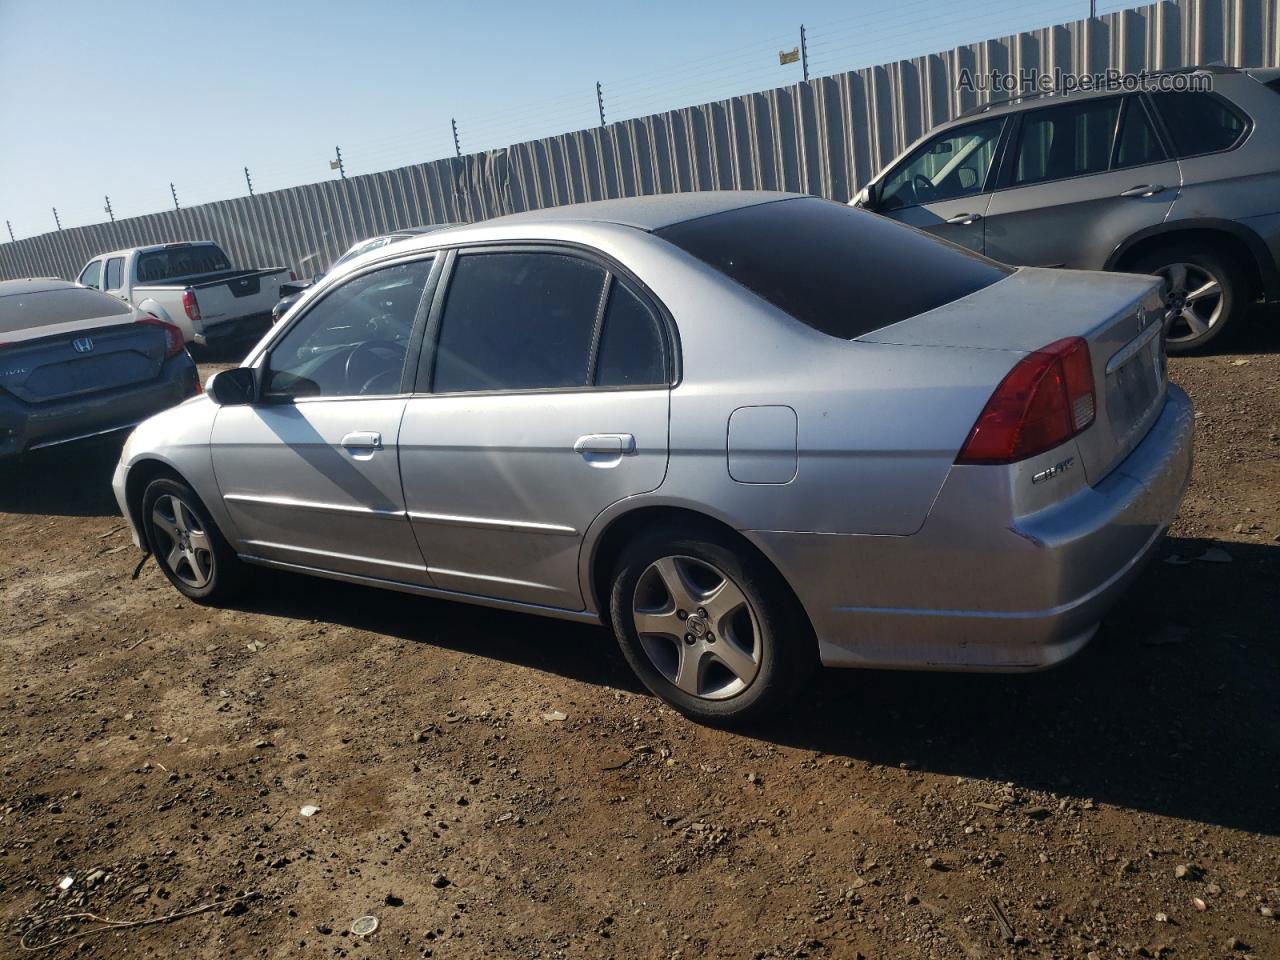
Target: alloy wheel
x,y
1195,301
697,627
187,550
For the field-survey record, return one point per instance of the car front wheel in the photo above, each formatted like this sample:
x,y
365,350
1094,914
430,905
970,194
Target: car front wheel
x,y
188,547
709,628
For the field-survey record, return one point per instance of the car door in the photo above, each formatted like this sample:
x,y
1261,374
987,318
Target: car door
x,y
546,379
942,185
1079,179
309,474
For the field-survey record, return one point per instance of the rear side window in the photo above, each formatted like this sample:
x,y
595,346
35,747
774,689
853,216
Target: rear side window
x,y
1067,141
632,349
114,274
161,265
92,276
23,311
518,321
1138,143
1199,123
837,269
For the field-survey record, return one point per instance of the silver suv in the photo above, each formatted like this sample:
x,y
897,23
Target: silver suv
x,y
1181,184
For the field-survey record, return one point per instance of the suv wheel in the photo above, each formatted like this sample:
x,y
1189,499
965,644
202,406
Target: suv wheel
x,y
711,631
1204,294
188,547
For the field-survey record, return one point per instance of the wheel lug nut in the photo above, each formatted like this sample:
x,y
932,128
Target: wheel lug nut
x,y
683,615
711,638
702,611
688,638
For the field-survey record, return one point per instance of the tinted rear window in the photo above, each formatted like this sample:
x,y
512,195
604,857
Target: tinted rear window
x,y
161,265
840,270
23,311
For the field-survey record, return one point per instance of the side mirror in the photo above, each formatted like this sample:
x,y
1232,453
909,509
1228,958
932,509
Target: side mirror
x,y
233,387
868,197
291,288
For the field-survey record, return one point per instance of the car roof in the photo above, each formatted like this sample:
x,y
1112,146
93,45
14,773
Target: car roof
x,y
13,288
647,213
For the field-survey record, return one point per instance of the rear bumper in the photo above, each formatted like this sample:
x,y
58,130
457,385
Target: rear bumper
x,y
254,325
968,592
25,427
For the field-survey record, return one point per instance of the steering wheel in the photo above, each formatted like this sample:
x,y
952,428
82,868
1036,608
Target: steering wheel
x,y
371,362
923,188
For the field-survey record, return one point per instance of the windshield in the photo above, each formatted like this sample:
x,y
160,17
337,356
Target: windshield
x,y
839,270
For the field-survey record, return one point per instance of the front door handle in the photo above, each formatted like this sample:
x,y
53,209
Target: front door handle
x,y
965,218
614,444
1143,190
362,440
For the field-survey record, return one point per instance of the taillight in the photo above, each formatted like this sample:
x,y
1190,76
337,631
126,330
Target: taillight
x,y
191,305
173,341
292,276
1045,400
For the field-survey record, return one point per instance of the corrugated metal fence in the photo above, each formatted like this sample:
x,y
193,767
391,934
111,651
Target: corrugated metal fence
x,y
825,137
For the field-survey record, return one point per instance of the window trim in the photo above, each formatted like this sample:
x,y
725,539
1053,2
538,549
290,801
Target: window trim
x,y
1153,109
424,385
988,183
261,359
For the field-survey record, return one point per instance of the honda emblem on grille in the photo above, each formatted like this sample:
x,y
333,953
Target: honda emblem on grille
x,y
83,345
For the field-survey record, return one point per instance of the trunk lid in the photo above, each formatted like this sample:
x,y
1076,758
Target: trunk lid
x,y
1119,315
88,356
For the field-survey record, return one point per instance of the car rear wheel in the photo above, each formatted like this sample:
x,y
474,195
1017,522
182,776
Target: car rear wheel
x,y
708,628
188,547
1204,294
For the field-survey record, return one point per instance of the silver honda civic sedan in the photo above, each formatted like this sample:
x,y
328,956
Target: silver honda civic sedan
x,y
751,431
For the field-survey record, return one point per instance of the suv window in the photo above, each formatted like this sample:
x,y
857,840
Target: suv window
x,y
1138,143
839,270
518,321
354,341
92,275
1071,140
1198,123
632,349
114,274
952,165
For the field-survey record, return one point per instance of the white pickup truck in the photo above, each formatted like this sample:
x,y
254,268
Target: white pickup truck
x,y
192,286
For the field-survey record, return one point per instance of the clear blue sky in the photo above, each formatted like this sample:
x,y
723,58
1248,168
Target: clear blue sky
x,y
120,97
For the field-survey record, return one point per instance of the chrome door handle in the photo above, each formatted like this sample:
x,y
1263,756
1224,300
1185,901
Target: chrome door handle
x,y
607,443
362,440
1143,190
965,218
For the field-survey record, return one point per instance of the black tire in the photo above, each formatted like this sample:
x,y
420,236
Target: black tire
x,y
208,571
1224,309
781,640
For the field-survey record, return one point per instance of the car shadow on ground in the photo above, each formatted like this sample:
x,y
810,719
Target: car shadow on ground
x,y
73,480
1172,709
1256,331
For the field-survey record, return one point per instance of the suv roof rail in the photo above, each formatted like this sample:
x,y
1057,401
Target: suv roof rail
x,y
1214,68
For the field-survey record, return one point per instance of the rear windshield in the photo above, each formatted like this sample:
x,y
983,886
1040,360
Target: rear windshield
x,y
161,265
23,311
840,270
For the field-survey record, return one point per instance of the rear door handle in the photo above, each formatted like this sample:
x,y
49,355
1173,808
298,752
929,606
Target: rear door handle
x,y
606,443
1143,190
362,440
965,218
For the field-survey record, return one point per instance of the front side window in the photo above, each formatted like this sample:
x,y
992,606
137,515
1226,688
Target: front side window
x,y
354,341
952,165
1138,143
1199,123
114,274
92,276
518,321
1068,141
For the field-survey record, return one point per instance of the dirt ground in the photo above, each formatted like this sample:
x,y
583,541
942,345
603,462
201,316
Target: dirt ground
x,y
158,754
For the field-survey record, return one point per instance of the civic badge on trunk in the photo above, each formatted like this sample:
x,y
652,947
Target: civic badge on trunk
x,y
83,344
